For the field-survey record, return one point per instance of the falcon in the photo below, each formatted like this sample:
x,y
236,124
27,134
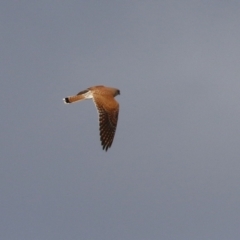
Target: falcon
x,y
107,107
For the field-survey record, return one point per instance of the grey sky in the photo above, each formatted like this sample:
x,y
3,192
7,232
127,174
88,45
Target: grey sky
x,y
173,170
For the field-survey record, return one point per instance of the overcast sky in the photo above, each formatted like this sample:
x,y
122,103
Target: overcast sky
x,y
173,171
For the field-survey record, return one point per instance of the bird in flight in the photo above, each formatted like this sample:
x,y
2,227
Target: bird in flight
x,y
107,107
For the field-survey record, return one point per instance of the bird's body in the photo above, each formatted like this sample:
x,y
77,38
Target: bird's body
x,y
107,108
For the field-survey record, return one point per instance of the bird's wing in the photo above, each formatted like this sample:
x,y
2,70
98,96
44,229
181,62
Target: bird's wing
x,y
108,109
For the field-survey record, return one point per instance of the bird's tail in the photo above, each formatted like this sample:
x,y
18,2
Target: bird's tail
x,y
73,99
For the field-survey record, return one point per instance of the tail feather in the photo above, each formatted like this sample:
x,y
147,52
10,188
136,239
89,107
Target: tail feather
x,y
73,99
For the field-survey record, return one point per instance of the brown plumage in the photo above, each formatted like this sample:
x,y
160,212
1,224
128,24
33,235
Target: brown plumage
x,y
107,108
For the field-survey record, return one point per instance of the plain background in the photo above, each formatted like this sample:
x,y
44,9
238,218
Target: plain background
x,y
172,172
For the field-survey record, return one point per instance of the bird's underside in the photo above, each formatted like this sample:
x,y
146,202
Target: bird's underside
x,y
107,107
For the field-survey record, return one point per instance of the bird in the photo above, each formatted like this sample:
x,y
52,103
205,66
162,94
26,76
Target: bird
x,y
107,108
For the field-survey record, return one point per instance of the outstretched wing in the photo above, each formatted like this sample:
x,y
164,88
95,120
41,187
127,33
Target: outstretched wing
x,y
108,109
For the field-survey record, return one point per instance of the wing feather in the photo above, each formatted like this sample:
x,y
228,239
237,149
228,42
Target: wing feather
x,y
108,109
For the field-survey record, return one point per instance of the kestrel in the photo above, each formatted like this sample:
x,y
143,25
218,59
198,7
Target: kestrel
x,y
107,107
